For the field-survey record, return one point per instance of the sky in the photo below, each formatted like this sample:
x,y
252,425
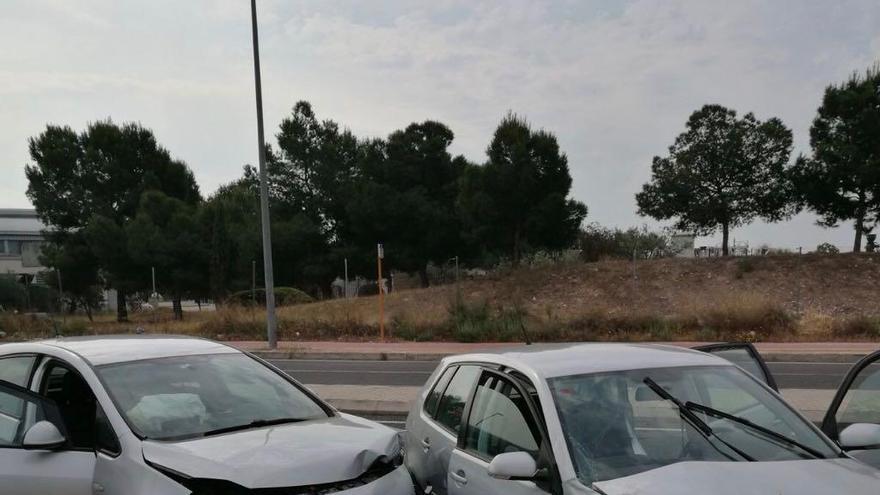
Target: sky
x,y
615,80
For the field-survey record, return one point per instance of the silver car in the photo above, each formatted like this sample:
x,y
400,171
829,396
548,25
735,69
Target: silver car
x,y
617,419
159,415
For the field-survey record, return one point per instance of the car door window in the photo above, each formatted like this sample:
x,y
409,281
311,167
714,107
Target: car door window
x,y
861,404
76,403
746,357
451,407
500,421
434,396
16,369
19,410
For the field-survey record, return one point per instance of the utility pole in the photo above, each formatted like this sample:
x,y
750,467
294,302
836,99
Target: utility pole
x,y
254,282
271,325
457,283
381,254
153,274
61,298
346,279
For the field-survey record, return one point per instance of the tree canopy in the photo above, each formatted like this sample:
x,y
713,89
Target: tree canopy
x,y
92,182
117,201
518,200
722,172
406,197
841,180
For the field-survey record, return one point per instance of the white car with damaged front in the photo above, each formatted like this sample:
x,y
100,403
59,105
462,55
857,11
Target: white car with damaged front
x,y
167,416
616,419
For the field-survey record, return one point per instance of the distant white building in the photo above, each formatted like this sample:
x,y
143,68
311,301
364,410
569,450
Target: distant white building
x,y
21,241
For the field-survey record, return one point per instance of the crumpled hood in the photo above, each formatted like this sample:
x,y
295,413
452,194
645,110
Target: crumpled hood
x,y
808,477
312,452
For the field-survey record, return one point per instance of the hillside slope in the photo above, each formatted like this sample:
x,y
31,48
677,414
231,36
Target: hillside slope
x,y
778,297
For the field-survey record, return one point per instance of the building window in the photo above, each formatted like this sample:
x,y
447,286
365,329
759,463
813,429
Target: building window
x,y
10,247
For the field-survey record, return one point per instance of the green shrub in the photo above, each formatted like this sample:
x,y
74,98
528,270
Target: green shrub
x,y
857,327
12,293
597,243
403,329
284,296
827,248
745,265
479,322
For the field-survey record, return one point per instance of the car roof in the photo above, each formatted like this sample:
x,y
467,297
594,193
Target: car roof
x,y
550,361
100,350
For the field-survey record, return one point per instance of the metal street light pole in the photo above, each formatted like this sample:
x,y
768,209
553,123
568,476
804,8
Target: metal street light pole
x,y
271,325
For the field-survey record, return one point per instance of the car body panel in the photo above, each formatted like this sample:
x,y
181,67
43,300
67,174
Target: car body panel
x,y
468,475
308,453
429,447
537,363
128,474
39,472
101,350
808,477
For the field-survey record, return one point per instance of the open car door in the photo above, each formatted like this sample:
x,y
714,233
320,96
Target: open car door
x,y
857,406
745,356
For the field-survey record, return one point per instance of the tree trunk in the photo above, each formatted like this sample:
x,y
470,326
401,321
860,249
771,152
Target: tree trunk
x,y
860,226
423,276
517,254
121,309
88,308
725,236
178,308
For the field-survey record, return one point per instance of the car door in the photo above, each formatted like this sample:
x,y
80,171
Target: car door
x,y
500,419
746,357
433,433
857,401
39,471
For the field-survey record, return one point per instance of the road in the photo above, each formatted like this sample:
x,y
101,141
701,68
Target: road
x,y
799,375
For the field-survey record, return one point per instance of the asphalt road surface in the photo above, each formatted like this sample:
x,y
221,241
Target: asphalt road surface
x,y
806,375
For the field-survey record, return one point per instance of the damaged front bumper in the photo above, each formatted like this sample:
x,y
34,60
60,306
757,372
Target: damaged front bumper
x,y
396,482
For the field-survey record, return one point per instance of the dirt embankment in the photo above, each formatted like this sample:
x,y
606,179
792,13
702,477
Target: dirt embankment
x,y
782,298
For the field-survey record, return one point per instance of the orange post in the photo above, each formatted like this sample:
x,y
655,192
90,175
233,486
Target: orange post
x,y
381,254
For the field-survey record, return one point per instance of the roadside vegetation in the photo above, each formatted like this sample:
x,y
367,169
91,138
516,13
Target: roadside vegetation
x,y
779,298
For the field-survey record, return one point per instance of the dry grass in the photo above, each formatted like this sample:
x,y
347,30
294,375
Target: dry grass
x,y
781,298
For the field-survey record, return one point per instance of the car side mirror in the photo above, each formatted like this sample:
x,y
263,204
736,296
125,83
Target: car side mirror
x,y
43,435
513,466
860,436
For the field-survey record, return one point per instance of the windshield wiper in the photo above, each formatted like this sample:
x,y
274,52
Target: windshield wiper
x,y
257,423
695,420
745,422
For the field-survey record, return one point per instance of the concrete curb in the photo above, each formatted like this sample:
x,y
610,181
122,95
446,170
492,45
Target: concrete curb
x,y
351,356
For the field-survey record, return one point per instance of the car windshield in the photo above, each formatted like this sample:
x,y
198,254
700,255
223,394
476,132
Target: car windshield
x,y
190,396
615,425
